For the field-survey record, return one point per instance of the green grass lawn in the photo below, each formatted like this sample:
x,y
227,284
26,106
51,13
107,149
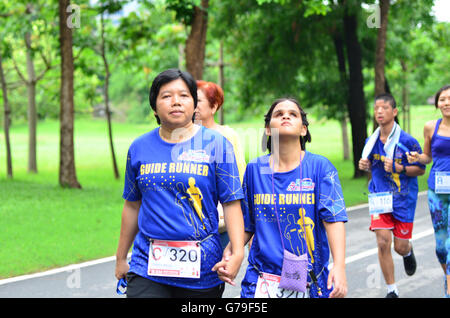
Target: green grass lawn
x,y
44,226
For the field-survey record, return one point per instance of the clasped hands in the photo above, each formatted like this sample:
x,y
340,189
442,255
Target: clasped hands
x,y
228,268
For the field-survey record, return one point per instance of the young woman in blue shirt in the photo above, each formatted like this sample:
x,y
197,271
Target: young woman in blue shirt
x,y
293,204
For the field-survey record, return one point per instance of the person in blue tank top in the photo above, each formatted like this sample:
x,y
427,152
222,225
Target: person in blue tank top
x,y
437,149
393,181
293,202
175,176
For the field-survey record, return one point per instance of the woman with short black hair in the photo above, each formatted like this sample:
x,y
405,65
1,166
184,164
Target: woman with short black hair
x,y
175,176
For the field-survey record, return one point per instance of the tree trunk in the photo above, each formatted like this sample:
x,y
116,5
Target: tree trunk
x,y
381,48
340,55
32,114
31,83
405,100
6,121
181,56
67,173
106,94
221,81
344,133
196,42
356,100
380,52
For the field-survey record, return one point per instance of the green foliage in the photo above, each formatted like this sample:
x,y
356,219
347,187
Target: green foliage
x,y
298,60
271,47
138,45
417,47
184,9
312,6
285,50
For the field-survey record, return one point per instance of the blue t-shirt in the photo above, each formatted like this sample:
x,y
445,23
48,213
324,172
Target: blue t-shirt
x,y
180,185
403,188
322,200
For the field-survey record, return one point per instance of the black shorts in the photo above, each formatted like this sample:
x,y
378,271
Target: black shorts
x,y
141,287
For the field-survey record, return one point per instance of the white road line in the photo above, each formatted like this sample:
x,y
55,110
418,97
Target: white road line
x,y
374,251
67,268
366,205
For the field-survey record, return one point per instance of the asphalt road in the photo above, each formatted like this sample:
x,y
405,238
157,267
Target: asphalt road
x,y
96,279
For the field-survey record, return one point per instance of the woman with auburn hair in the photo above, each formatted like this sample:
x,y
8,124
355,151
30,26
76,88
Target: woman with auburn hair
x,y
210,99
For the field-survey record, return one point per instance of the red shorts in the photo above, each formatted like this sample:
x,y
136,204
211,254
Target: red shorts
x,y
386,221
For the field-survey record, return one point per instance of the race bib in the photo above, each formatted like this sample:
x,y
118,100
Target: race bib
x,y
267,287
174,259
380,202
442,182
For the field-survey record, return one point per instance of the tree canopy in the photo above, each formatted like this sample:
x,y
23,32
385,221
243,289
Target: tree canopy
x,y
320,52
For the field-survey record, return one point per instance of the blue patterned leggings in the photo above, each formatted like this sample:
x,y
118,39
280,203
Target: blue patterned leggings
x,y
439,208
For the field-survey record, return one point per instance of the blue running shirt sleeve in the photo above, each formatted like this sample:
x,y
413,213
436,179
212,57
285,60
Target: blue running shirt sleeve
x,y
331,201
131,190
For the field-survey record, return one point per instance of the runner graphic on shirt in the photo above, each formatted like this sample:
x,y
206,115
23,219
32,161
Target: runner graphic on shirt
x,y
307,227
195,198
298,228
188,213
293,234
